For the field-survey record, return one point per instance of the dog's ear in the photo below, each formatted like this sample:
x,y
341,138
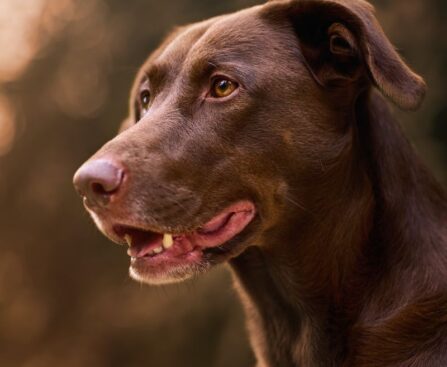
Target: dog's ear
x,y
341,39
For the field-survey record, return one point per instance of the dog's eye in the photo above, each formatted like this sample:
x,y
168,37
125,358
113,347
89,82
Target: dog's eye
x,y
145,100
222,88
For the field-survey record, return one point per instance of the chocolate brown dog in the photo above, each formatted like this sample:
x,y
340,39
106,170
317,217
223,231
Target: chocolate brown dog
x,y
259,138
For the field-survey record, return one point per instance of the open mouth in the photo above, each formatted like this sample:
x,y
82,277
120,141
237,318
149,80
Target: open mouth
x,y
155,248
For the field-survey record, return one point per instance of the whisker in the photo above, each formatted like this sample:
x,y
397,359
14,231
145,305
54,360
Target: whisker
x,y
297,204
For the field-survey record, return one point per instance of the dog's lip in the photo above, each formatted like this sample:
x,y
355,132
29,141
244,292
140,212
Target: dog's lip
x,y
227,224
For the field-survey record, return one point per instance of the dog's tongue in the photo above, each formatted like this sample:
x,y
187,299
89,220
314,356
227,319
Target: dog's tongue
x,y
220,229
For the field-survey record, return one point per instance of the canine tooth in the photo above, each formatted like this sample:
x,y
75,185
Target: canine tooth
x,y
157,250
168,241
128,239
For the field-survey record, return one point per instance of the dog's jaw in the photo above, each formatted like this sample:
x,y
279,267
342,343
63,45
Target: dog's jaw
x,y
158,257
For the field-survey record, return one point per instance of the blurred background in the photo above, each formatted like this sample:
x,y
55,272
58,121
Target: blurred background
x,y
66,67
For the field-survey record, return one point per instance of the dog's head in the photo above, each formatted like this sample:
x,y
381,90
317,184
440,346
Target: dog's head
x,y
233,123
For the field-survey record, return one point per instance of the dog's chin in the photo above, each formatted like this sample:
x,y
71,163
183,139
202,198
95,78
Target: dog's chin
x,y
170,266
160,258
159,276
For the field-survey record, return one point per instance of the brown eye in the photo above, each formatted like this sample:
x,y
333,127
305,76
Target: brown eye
x,y
145,99
223,88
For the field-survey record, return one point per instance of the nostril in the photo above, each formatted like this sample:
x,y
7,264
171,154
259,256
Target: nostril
x,y
107,188
98,189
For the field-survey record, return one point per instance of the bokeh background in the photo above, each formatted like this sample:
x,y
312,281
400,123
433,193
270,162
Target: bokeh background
x,y
66,67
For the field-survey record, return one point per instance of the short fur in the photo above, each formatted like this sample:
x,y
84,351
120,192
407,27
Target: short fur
x,y
346,262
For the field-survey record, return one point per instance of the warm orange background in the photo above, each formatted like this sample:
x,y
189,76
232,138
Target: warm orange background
x,y
66,67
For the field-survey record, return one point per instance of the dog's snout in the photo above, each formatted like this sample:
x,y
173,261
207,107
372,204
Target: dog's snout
x,y
98,180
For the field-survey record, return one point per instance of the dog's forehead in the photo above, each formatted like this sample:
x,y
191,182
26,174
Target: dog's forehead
x,y
224,34
226,37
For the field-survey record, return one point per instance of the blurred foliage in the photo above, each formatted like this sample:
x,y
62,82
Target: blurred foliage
x,y
65,72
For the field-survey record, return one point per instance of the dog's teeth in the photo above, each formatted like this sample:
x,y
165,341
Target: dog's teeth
x,y
157,250
128,239
168,241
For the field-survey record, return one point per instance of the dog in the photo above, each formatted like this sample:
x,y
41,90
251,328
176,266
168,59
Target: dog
x,y
264,139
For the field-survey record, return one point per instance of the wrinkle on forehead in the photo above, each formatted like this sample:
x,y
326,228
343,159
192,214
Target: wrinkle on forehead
x,y
234,39
221,39
175,52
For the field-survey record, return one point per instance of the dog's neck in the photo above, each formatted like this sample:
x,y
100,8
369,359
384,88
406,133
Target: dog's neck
x,y
306,290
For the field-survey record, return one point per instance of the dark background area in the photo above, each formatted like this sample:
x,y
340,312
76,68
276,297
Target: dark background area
x,y
65,72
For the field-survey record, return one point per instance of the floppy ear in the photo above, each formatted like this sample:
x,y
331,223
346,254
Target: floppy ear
x,y
341,39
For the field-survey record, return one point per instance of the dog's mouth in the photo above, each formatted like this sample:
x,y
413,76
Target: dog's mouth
x,y
152,249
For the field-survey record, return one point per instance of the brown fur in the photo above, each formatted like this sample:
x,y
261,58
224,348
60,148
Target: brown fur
x,y
346,262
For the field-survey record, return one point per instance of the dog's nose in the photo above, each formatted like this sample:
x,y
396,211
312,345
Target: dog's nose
x,y
98,180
